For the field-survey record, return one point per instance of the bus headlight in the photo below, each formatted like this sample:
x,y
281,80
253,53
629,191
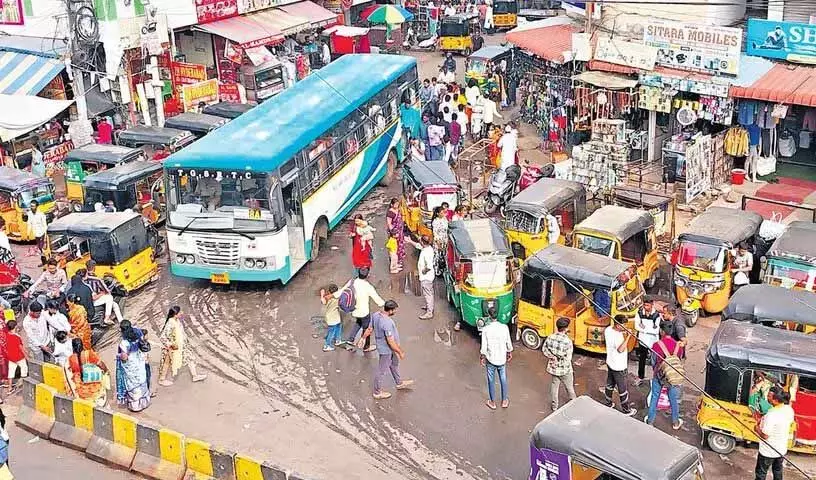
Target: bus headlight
x,y
249,262
181,259
260,263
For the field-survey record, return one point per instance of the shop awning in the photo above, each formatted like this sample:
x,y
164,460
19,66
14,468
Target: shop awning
x,y
281,21
314,13
606,80
247,31
20,114
784,83
558,41
25,74
346,31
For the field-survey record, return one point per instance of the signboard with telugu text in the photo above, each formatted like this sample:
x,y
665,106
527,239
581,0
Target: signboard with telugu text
x,y
193,95
630,54
703,48
54,158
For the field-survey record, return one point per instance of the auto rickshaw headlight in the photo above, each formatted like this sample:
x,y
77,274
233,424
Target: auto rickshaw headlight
x,y
680,281
711,287
249,262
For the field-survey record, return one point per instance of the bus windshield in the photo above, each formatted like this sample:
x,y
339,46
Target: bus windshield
x,y
41,193
210,199
709,258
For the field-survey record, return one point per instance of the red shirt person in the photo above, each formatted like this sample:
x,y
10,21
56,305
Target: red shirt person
x,y
105,132
360,250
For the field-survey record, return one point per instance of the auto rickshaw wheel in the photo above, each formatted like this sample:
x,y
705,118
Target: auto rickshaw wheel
x,y
391,169
467,52
721,443
76,207
531,339
691,317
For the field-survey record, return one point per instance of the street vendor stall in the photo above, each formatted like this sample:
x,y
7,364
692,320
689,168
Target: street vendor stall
x,y
344,39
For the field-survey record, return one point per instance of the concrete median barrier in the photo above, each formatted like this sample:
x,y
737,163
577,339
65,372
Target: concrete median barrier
x,y
207,463
247,468
114,439
35,415
159,453
54,377
74,422
35,371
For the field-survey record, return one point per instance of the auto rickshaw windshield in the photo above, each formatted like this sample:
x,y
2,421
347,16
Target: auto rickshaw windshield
x,y
41,193
600,246
477,65
487,272
453,29
505,7
709,258
628,299
429,201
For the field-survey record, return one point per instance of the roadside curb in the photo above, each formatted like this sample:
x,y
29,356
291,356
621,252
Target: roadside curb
x,y
126,443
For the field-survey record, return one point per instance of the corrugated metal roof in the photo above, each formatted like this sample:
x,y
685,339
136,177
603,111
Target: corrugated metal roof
x,y
548,42
784,83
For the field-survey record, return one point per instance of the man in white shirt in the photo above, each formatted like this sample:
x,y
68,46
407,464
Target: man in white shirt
x,y
4,241
508,143
553,229
425,269
496,351
774,431
39,226
364,293
743,264
616,339
647,326
489,112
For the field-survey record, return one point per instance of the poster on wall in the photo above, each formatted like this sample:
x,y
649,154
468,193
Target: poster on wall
x,y
211,10
11,12
794,42
186,74
698,167
197,93
702,48
229,92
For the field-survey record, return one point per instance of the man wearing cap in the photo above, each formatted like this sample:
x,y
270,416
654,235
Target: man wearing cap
x,y
101,294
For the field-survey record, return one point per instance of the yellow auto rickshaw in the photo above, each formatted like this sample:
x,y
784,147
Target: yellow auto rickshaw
x,y
425,186
529,216
83,161
739,351
588,289
773,306
587,438
505,14
791,260
461,33
622,233
123,248
138,186
17,189
702,259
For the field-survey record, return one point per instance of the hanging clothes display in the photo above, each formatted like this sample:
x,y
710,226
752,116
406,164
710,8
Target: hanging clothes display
x,y
736,142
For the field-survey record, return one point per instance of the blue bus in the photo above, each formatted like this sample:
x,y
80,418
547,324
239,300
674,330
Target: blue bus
x,y
253,200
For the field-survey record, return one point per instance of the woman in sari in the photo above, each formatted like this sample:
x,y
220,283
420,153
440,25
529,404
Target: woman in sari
x,y
87,374
132,389
78,319
175,350
396,231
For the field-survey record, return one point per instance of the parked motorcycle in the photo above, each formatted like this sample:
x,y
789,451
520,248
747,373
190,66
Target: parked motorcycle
x,y
426,42
506,183
13,283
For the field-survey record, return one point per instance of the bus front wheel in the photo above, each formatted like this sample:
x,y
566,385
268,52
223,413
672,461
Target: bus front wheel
x,y
391,169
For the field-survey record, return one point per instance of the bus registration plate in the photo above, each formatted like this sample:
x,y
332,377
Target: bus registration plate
x,y
220,278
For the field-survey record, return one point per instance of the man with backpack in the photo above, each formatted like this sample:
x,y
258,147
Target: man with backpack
x,y
354,298
668,372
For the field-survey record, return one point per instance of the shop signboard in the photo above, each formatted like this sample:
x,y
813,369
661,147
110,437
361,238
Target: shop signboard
x,y
186,74
791,41
229,92
54,158
703,48
11,12
548,464
193,95
211,10
630,54
247,6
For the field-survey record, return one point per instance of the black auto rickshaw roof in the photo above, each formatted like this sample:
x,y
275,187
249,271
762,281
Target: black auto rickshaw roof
x,y
479,236
761,302
92,224
460,17
14,180
195,122
153,135
588,269
798,242
105,154
546,195
112,178
722,225
229,110
605,439
748,346
430,173
491,51
621,222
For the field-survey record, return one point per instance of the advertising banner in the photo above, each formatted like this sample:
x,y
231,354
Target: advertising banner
x,y
211,10
206,91
54,158
702,48
229,92
549,465
794,42
626,53
11,12
186,74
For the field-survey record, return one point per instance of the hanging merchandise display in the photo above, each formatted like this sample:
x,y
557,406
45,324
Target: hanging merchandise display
x,y
736,142
717,109
721,164
599,103
598,163
698,167
654,98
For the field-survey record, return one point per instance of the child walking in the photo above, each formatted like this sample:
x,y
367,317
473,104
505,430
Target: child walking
x,y
331,312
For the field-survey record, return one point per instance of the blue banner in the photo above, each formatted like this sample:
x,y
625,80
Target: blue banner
x,y
794,42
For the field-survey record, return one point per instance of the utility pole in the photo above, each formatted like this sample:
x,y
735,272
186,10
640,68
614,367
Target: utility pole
x,y
80,129
590,10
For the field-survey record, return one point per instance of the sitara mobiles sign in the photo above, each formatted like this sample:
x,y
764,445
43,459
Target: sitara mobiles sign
x,y
702,48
